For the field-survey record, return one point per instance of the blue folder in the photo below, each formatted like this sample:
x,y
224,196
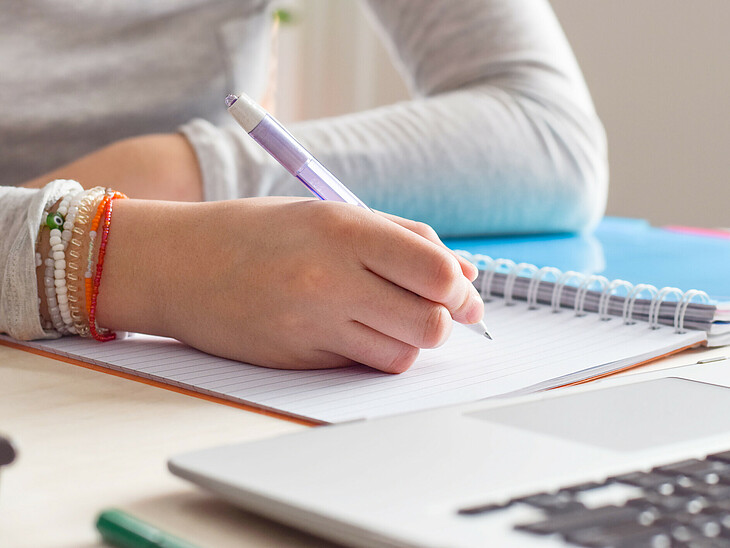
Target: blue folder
x,y
629,249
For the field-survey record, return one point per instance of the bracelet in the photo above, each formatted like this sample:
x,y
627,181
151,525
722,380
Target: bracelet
x,y
68,208
55,274
98,333
93,232
49,220
54,279
63,285
55,287
74,274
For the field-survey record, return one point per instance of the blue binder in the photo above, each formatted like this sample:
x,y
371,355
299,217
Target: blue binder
x,y
629,249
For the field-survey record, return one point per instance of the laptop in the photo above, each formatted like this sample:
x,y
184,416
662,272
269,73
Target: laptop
x,y
642,460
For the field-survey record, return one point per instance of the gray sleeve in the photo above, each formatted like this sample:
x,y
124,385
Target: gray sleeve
x,y
500,137
21,210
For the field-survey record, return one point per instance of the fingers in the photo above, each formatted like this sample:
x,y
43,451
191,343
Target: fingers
x,y
426,231
367,346
399,313
422,267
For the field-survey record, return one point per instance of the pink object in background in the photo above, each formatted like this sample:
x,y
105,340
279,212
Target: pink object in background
x,y
711,232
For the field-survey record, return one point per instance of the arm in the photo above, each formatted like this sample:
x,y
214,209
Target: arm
x,y
279,282
283,282
159,166
501,135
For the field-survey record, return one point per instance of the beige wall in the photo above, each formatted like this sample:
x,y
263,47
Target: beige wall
x,y
659,72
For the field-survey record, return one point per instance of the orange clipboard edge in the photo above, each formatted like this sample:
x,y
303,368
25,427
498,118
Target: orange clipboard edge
x,y
157,384
629,367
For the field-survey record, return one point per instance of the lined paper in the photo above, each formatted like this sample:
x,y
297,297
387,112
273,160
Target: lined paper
x,y
532,349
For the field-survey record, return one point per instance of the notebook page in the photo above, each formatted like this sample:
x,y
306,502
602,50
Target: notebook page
x,y
530,347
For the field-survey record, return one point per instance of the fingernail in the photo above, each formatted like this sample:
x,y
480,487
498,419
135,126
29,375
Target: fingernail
x,y
476,310
473,273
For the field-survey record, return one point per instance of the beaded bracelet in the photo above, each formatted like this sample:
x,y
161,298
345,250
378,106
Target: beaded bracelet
x,y
93,232
68,208
54,278
49,289
76,259
99,334
67,308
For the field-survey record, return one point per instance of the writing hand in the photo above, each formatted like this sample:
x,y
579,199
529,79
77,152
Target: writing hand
x,y
284,282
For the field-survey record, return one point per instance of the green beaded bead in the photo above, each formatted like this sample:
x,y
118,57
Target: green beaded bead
x,y
55,220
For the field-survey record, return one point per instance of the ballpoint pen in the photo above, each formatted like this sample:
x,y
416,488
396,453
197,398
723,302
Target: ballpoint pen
x,y
277,141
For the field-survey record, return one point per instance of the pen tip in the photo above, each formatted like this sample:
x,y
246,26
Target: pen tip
x,y
487,335
230,100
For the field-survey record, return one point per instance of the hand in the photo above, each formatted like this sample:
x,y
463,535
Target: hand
x,y
154,167
284,282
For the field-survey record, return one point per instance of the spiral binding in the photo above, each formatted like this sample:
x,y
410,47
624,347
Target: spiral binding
x,y
585,283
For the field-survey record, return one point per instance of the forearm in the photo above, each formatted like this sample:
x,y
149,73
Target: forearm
x,y
500,137
279,282
156,167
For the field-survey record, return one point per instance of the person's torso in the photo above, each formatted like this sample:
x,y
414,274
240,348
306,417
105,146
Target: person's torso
x,y
76,75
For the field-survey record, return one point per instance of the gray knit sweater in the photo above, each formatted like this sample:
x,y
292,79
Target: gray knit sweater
x,y
500,135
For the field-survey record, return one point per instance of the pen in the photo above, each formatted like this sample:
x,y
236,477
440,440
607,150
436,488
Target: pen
x,y
121,530
277,141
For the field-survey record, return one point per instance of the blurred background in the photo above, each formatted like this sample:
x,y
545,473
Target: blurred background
x,y
657,69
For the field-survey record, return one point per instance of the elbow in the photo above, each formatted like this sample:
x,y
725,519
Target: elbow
x,y
577,156
585,175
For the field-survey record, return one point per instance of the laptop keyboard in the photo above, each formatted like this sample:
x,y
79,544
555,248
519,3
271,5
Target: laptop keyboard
x,y
683,504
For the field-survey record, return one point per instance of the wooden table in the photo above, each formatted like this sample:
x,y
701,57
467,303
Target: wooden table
x,y
89,441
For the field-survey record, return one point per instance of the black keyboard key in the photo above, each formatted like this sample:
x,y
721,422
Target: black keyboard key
x,y
481,509
538,498
707,543
664,503
621,535
711,491
584,486
684,535
723,475
584,519
562,501
720,506
693,468
707,525
645,480
722,457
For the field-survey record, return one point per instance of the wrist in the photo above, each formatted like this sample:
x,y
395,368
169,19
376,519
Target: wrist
x,y
134,287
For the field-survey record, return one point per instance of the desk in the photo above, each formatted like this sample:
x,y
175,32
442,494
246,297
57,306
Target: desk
x,y
89,441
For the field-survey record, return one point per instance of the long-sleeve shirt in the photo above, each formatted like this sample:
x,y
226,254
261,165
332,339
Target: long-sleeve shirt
x,y
500,135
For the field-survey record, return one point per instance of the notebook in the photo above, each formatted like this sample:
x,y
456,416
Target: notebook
x,y
633,250
550,327
630,249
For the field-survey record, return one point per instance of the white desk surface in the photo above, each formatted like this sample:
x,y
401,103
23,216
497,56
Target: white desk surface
x,y
88,441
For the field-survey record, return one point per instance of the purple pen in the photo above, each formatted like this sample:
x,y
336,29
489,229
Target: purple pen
x,y
278,142
282,145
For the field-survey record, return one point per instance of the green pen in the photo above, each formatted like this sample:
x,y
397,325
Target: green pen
x,y
119,529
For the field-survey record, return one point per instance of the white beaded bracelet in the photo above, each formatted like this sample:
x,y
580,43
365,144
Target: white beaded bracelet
x,y
54,278
66,234
49,279
76,259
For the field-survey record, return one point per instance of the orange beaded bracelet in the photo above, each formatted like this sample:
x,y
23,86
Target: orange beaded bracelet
x,y
92,286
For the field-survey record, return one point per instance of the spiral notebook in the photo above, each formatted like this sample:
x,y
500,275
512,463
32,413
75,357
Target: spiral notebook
x,y
550,328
